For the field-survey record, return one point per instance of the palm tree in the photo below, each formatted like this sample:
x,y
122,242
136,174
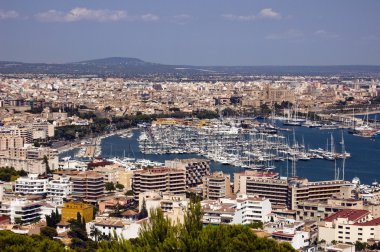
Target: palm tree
x,y
94,232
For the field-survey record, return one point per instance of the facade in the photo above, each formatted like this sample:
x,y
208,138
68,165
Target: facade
x,y
289,192
70,210
195,169
116,174
349,226
31,185
174,206
21,211
217,185
60,188
242,209
88,186
109,226
318,210
159,179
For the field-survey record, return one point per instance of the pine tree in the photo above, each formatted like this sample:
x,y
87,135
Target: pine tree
x,y
143,213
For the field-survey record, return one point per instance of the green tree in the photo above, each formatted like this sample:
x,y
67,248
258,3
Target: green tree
x,y
144,212
18,220
110,186
119,186
49,232
46,162
94,232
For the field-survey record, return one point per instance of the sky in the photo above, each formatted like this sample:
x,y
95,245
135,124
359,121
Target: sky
x,y
193,32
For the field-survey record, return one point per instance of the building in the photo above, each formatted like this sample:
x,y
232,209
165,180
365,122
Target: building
x,y
174,206
70,209
318,210
60,188
21,211
31,184
216,185
349,226
116,174
88,186
288,191
159,179
294,232
109,226
242,209
195,169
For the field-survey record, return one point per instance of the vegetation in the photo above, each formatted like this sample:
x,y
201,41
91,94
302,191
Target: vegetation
x,y
144,212
160,235
110,186
53,219
10,174
119,186
11,242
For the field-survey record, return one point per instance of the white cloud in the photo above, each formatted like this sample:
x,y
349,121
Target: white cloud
x,y
266,13
370,38
291,34
10,14
326,34
150,18
85,14
182,19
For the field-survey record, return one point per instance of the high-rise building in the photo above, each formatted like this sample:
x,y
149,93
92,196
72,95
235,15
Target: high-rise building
x,y
159,179
88,186
195,169
288,191
216,185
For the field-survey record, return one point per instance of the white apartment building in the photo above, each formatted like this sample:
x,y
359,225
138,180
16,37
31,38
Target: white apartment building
x,y
31,185
287,230
125,229
21,211
240,210
349,226
60,188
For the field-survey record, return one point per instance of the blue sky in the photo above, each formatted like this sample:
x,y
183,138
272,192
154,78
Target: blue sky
x,y
208,32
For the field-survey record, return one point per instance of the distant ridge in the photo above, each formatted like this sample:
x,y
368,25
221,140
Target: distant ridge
x,y
124,66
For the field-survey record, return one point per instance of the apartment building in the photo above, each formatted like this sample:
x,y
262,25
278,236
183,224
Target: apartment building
x,y
195,169
31,184
116,174
349,226
109,226
289,191
29,158
174,206
60,188
317,210
242,209
216,185
159,179
9,142
88,186
21,211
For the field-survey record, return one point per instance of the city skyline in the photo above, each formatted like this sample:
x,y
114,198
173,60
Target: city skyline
x,y
177,32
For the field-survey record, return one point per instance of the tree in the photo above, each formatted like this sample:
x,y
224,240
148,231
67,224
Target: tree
x,y
94,232
18,220
359,246
143,213
49,232
129,193
110,186
334,242
119,186
47,167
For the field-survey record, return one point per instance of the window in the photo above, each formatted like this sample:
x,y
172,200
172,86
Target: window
x,y
347,232
360,239
340,232
347,227
371,233
340,237
340,226
360,233
360,229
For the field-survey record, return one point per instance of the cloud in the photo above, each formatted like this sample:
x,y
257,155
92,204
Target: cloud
x,y
268,13
326,34
10,14
182,19
370,38
150,18
291,34
94,15
264,14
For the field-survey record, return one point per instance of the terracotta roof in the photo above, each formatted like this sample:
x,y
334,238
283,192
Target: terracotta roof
x,y
282,234
350,214
374,222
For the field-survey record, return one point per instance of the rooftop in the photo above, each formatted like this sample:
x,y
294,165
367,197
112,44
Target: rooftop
x,y
350,214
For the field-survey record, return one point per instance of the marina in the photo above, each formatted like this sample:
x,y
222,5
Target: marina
x,y
362,163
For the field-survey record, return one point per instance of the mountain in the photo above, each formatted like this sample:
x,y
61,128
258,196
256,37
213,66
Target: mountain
x,y
122,67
